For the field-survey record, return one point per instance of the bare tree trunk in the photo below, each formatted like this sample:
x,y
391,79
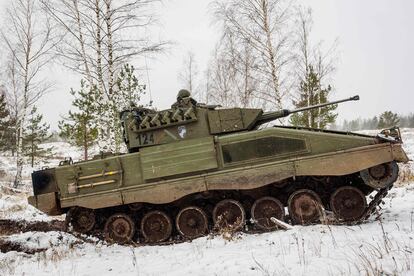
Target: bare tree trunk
x,y
246,84
12,73
189,73
111,69
32,148
27,54
22,123
29,41
270,52
85,142
82,43
98,45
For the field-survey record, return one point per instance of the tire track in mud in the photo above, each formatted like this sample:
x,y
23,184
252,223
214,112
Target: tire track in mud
x,y
7,246
10,227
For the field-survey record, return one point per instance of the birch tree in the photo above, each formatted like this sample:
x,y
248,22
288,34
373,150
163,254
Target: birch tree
x,y
264,25
188,75
231,78
100,37
28,37
220,80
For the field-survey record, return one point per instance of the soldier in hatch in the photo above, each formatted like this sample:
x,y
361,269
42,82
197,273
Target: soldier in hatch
x,y
184,99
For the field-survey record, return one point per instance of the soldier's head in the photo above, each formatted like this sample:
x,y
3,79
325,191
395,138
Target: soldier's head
x,y
183,93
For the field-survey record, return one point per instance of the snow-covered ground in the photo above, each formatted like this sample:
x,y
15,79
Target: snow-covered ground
x,y
377,247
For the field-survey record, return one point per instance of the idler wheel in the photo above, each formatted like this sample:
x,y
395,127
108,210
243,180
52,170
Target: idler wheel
x,y
119,228
348,203
305,207
380,176
156,226
229,214
264,209
192,222
81,219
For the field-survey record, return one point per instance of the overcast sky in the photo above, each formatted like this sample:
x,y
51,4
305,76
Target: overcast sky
x,y
376,45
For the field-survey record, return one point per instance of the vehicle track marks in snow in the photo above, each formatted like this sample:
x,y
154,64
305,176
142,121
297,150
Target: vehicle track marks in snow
x,y
9,227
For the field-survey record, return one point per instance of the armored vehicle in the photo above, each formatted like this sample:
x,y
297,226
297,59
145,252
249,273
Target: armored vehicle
x,y
195,167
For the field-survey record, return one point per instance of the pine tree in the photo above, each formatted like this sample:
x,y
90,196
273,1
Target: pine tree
x,y
407,120
127,92
312,92
80,127
5,124
411,120
388,119
34,134
374,123
98,117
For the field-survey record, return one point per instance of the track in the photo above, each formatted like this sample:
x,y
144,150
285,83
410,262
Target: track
x,y
10,227
249,227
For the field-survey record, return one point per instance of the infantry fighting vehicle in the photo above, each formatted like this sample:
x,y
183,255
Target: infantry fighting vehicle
x,y
196,167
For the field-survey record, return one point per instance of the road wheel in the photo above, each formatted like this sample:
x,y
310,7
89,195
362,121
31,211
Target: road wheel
x,y
82,220
348,203
305,207
229,214
119,228
156,226
264,209
192,222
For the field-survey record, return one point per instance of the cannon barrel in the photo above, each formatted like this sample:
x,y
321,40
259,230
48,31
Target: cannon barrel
x,y
273,115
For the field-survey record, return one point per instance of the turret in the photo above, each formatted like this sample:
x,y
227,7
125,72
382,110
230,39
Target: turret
x,y
187,119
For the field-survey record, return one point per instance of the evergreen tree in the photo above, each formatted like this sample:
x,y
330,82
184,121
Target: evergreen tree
x,y
407,120
127,92
97,119
355,124
5,124
80,127
410,120
128,87
374,123
312,92
388,119
34,134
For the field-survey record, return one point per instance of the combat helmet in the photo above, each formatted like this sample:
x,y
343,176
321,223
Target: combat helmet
x,y
183,93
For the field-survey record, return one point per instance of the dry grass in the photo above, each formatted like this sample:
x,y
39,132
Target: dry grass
x,y
406,175
227,231
370,258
